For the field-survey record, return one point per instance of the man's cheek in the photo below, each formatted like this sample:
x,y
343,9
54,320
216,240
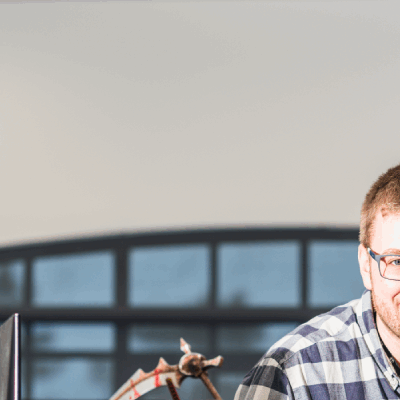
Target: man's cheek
x,y
387,286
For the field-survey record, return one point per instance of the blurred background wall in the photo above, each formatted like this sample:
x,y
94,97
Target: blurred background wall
x,y
185,169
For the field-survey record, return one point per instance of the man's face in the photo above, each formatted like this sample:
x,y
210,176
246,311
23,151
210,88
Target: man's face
x,y
385,239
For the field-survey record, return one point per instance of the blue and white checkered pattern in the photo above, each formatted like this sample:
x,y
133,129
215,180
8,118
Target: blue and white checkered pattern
x,y
337,355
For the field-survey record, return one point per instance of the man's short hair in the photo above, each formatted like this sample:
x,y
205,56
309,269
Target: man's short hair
x,y
384,197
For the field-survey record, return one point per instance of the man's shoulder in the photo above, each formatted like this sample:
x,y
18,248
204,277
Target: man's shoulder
x,y
339,324
303,355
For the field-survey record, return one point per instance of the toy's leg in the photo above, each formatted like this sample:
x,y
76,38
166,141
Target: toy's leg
x,y
210,386
172,389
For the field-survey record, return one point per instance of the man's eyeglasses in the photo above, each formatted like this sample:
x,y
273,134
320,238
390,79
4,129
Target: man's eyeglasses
x,y
389,265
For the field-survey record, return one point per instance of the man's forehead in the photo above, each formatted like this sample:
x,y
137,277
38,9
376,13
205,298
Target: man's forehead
x,y
387,214
385,232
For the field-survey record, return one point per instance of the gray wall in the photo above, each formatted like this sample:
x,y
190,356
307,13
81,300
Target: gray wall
x,y
130,116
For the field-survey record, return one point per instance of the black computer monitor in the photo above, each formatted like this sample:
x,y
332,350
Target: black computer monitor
x,y
10,359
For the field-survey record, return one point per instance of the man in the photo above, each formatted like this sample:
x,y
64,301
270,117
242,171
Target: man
x,y
353,351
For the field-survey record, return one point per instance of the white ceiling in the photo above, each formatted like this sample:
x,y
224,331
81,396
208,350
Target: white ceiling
x,y
127,116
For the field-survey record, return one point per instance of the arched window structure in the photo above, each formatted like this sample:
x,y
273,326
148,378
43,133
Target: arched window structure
x,y
95,310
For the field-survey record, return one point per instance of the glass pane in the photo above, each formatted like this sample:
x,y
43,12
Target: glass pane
x,y
169,276
24,393
72,379
194,389
334,273
228,382
191,389
251,338
73,337
259,274
23,333
166,338
78,280
12,274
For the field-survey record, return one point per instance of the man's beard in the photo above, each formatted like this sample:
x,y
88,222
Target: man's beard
x,y
387,313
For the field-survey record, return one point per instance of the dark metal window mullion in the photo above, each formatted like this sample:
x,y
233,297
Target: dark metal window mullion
x,y
214,276
121,283
27,353
120,355
27,301
304,273
214,298
122,288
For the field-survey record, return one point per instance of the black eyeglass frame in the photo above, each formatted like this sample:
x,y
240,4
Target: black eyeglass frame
x,y
377,258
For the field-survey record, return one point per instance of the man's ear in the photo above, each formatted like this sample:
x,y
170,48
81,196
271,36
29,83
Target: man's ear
x,y
365,268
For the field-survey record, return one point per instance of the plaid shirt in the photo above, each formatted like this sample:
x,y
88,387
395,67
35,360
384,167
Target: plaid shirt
x,y
337,355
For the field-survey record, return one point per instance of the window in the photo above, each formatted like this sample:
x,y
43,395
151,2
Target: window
x,y
179,276
72,360
158,338
334,273
251,338
77,280
259,274
12,279
78,378
94,311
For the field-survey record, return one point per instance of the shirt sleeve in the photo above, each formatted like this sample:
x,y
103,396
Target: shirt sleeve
x,y
265,382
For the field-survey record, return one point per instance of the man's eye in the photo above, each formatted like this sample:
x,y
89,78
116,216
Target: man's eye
x,y
394,261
